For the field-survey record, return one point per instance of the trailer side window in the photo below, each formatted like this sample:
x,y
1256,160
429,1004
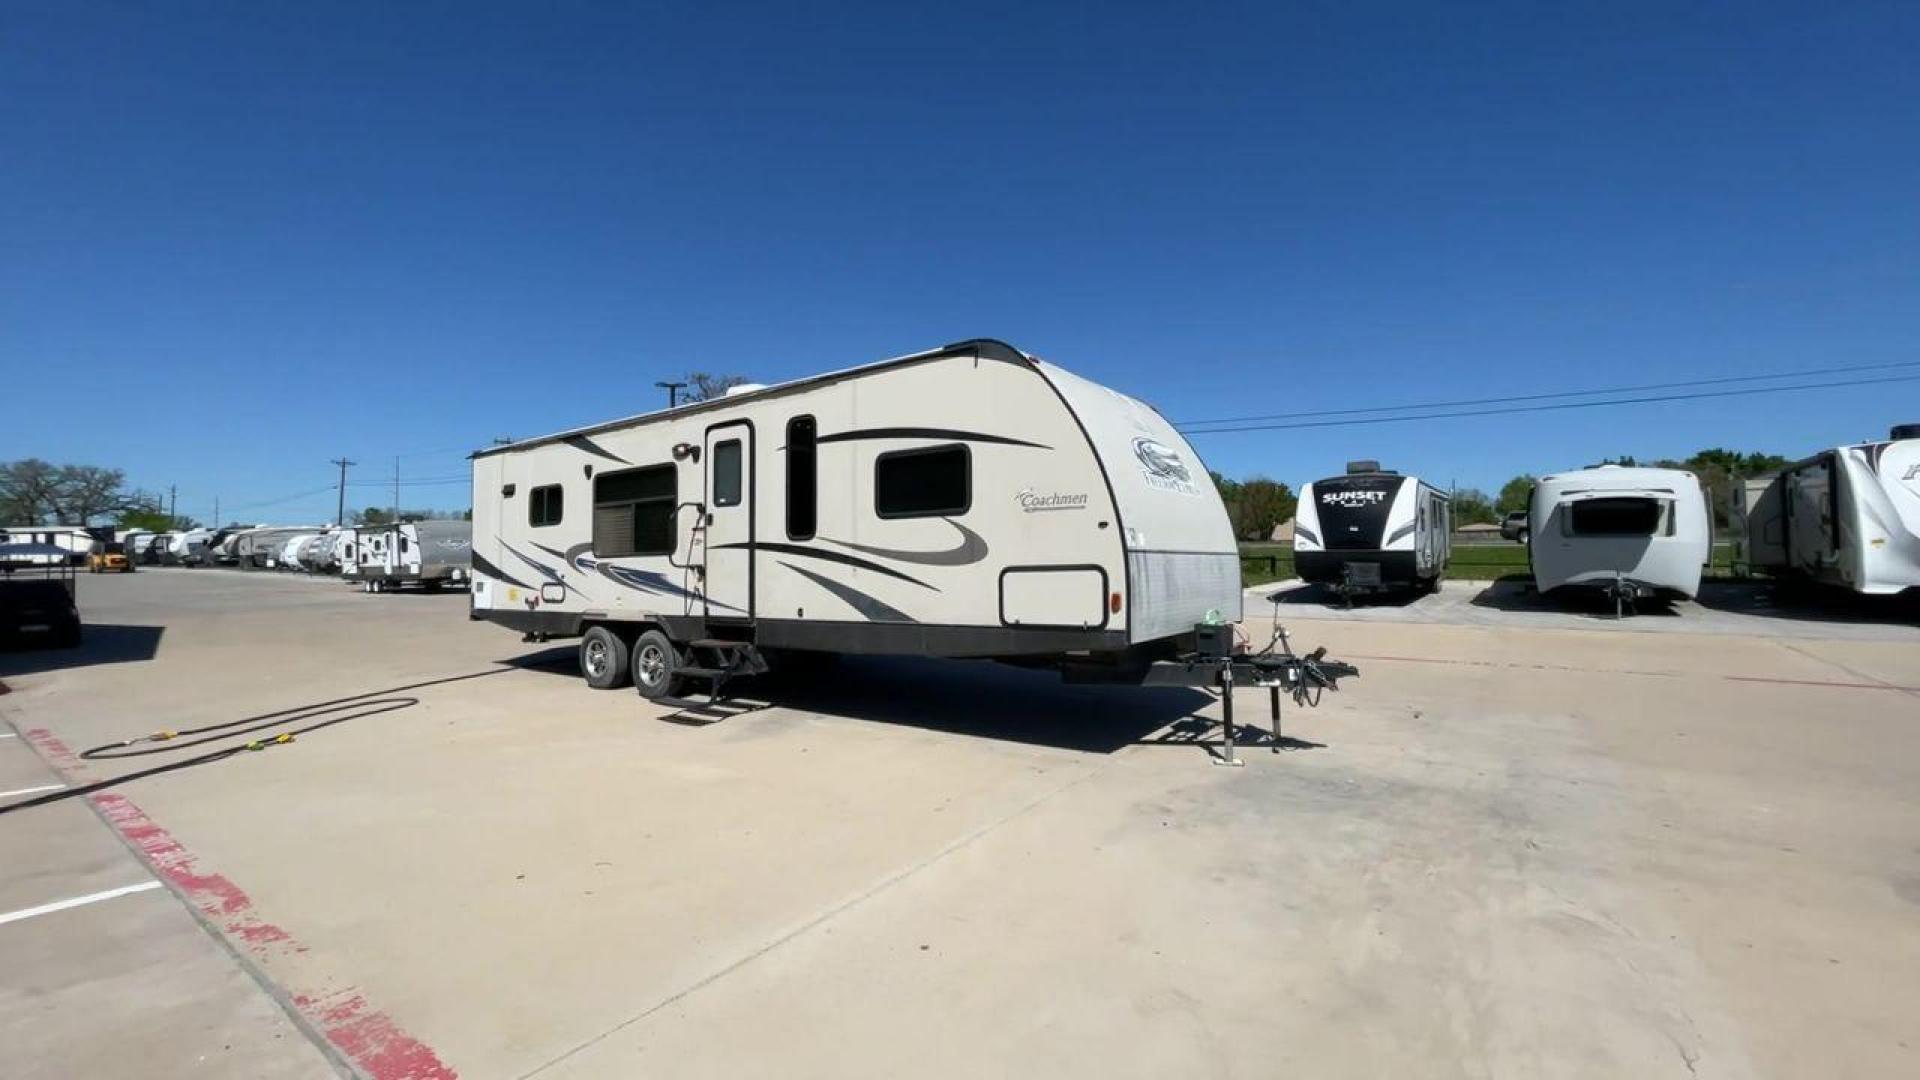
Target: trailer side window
x,y
726,473
633,511
544,505
934,482
803,478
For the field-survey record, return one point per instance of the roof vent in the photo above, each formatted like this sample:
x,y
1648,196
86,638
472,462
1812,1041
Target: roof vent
x,y
744,388
1905,431
1362,467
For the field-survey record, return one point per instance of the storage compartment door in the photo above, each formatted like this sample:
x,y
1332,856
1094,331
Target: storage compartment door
x,y
1054,596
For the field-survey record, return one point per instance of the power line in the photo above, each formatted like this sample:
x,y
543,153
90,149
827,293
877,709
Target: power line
x,y
1185,424
1557,406
283,498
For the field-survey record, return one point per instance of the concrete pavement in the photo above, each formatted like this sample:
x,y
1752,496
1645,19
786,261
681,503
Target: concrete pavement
x,y
1502,851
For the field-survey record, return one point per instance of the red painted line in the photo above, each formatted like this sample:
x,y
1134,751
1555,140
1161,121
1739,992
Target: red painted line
x,y
368,1037
54,750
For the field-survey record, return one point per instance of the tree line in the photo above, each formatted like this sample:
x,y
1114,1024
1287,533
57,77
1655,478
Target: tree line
x,y
36,492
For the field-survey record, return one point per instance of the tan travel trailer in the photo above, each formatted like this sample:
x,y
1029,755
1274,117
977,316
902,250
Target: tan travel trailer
x,y
971,501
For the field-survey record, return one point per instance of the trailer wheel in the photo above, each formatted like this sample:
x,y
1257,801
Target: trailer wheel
x,y
605,660
654,659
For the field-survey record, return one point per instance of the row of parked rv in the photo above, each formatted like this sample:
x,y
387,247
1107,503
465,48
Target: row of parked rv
x,y
1847,517
380,557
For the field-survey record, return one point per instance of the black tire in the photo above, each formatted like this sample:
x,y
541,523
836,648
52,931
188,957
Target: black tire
x,y
654,658
606,661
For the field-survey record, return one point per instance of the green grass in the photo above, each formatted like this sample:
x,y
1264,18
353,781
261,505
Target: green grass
x,y
1261,563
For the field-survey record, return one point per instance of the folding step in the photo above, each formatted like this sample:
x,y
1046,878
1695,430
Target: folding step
x,y
704,672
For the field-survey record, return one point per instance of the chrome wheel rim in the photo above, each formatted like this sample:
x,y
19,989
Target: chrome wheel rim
x,y
597,662
653,665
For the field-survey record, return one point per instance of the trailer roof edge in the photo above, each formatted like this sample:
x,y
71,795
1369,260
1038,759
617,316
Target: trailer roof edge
x,y
988,348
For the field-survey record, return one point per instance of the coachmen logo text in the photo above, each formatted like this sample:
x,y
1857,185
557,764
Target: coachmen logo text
x,y
1033,502
1162,467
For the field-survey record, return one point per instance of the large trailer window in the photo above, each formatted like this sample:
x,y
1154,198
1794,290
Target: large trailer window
x,y
726,473
934,482
1619,517
633,511
803,478
544,506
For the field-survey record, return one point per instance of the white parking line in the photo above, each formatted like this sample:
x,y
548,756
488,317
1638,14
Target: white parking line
x,y
8,735
32,790
90,898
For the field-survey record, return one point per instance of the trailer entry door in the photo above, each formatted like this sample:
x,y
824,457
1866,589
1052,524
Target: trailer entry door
x,y
730,520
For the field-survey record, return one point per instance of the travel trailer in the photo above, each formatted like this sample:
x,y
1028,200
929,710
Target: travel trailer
x,y
190,548
369,556
289,556
1372,530
261,548
345,556
316,552
223,548
430,554
1755,521
1848,517
72,539
969,501
1632,533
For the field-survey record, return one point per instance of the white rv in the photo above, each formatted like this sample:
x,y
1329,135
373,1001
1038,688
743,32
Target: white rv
x,y
1372,530
346,553
77,542
288,557
194,547
1849,516
970,501
1630,532
430,554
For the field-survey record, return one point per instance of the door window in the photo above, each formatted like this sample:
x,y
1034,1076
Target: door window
x,y
726,473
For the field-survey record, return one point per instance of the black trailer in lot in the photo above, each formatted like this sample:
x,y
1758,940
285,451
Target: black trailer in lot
x,y
36,597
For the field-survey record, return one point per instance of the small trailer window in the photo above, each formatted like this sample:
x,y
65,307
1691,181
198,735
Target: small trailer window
x,y
544,506
934,482
803,478
726,473
1630,516
633,511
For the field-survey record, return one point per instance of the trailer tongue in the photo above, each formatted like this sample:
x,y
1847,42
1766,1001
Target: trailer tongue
x,y
1216,663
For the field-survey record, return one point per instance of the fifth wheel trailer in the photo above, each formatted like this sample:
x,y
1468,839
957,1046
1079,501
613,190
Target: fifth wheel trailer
x,y
1848,517
968,501
1629,532
1372,530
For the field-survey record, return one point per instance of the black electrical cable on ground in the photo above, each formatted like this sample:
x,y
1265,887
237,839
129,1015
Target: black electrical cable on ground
x,y
336,711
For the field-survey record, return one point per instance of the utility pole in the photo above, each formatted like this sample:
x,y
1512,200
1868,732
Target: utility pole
x,y
216,511
673,392
340,514
395,520
173,503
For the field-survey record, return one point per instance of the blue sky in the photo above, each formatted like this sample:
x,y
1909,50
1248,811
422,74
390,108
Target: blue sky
x,y
239,240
